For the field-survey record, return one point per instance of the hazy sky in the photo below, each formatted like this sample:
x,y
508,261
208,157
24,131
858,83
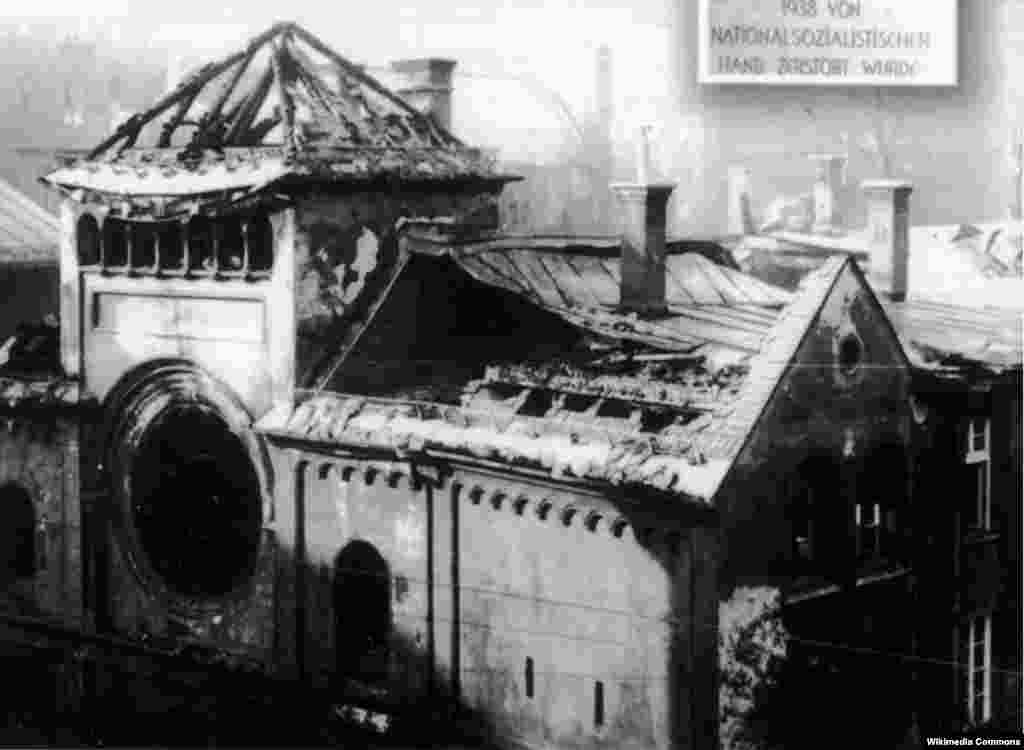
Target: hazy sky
x,y
529,64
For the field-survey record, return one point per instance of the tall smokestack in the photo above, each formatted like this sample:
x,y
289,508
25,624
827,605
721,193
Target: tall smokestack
x,y
428,86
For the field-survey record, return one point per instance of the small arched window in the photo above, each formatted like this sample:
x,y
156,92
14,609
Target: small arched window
x,y
143,237
115,244
200,245
87,235
230,244
260,238
18,532
172,246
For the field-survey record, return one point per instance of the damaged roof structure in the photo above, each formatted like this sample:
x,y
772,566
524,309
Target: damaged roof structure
x,y
665,402
284,109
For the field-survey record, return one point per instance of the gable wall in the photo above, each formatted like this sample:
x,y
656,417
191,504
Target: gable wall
x,y
815,410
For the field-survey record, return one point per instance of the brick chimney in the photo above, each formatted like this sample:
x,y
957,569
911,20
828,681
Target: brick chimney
x,y
888,204
428,86
643,216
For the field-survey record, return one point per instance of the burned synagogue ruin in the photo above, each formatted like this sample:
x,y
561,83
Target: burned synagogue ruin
x,y
313,450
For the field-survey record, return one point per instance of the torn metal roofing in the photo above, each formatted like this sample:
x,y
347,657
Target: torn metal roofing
x,y
709,305
28,232
678,429
287,103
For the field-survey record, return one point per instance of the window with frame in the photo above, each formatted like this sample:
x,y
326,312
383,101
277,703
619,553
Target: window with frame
x,y
878,512
867,518
978,511
976,647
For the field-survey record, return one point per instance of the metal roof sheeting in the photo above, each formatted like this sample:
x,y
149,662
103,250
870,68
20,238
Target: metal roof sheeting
x,y
937,331
562,278
708,304
28,233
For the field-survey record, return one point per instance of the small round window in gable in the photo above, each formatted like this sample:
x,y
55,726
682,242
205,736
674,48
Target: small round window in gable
x,y
849,353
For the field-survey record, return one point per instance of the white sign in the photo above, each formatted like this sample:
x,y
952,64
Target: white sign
x,y
829,42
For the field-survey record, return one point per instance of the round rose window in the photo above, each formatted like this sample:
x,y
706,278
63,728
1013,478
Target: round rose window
x,y
195,502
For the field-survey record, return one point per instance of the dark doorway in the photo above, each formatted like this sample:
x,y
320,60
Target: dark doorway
x,y
362,613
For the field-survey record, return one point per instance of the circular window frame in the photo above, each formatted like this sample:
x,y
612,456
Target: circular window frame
x,y
142,405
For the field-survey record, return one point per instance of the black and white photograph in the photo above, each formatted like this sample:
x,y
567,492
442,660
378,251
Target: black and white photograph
x,y
521,375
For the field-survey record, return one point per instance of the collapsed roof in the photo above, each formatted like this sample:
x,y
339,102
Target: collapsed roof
x,y
285,107
665,403
28,232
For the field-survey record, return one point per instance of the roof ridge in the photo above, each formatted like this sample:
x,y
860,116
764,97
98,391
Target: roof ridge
x,y
777,352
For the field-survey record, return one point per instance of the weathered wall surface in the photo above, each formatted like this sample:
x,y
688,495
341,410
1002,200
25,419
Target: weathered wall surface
x,y
240,331
39,455
818,412
346,250
484,573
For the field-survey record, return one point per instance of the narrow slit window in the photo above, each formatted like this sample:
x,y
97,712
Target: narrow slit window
x,y
529,677
200,246
88,237
599,704
172,246
115,244
231,248
144,250
260,239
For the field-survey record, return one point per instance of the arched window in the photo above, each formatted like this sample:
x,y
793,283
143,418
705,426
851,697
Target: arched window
x,y
115,244
18,533
172,246
260,238
200,245
230,244
362,613
87,235
143,239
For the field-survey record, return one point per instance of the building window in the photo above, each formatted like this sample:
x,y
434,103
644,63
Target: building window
x,y
849,354
229,246
19,531
196,504
978,512
143,237
528,678
868,523
88,236
599,704
977,661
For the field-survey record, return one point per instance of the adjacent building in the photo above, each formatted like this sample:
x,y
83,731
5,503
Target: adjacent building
x,y
953,295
